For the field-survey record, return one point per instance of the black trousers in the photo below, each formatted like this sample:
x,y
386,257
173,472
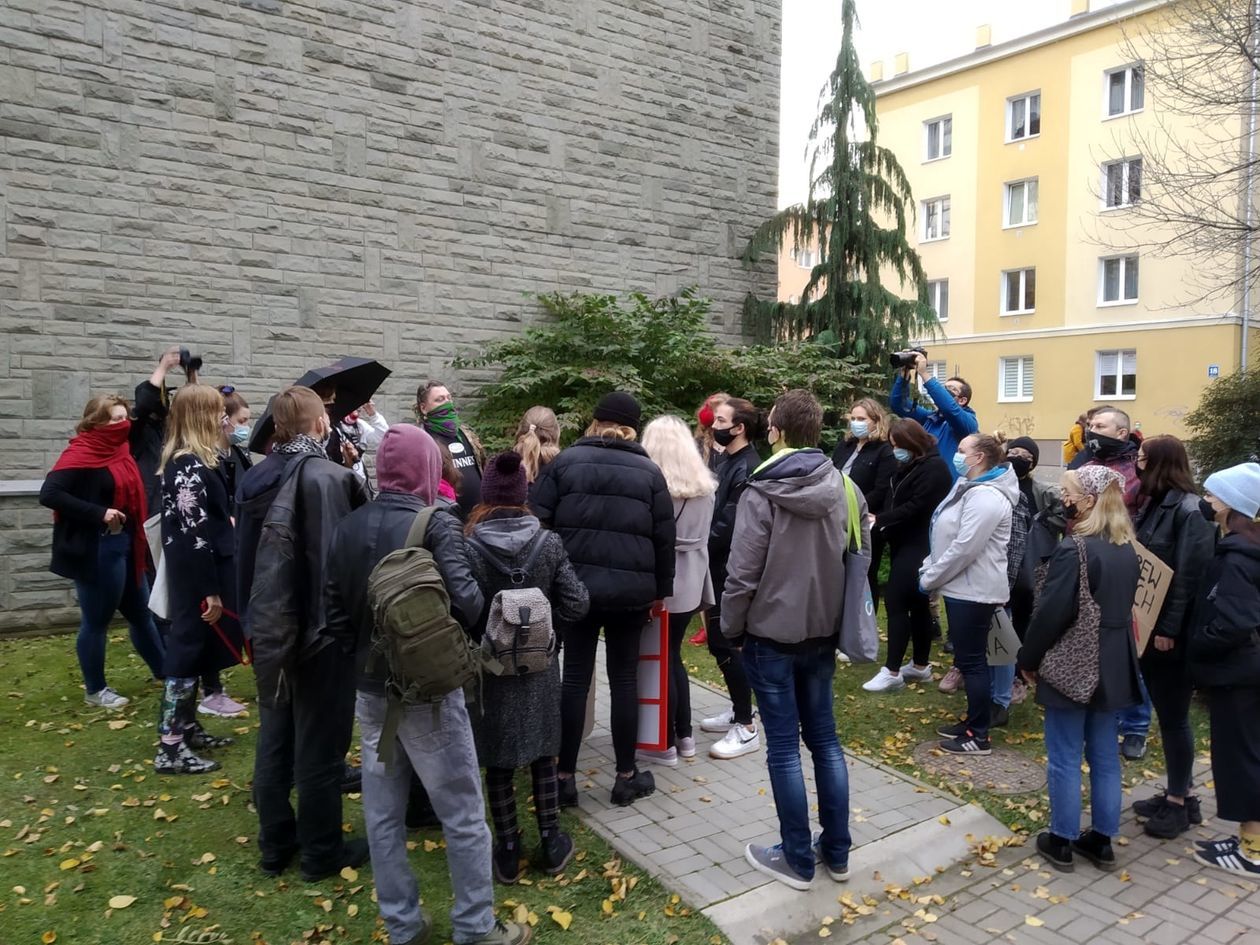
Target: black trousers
x,y
969,631
303,743
1235,751
908,609
622,630
731,665
877,560
1168,683
679,682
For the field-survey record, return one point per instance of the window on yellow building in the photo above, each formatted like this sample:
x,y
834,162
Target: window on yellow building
x,y
1122,182
1021,203
1019,291
805,258
1119,280
1115,375
1015,379
938,370
1125,89
938,138
938,298
936,219
1023,116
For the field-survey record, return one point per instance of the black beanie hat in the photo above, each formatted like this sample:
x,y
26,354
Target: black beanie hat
x,y
1025,443
503,480
619,407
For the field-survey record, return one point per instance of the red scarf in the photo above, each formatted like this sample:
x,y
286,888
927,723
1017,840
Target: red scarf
x,y
106,448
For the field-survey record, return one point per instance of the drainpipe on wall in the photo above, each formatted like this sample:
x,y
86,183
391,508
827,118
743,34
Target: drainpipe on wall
x,y
1248,196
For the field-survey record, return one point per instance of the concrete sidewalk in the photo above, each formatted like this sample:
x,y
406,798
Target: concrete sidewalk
x,y
691,833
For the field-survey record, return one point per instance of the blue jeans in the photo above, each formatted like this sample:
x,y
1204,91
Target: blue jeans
x,y
114,588
794,696
1136,720
1001,679
1071,734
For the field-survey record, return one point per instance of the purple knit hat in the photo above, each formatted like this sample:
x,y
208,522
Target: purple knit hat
x,y
503,480
408,460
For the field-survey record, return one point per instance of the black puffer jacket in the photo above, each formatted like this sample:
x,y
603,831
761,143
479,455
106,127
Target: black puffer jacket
x,y
916,489
872,471
1225,641
733,473
608,502
359,543
1172,529
1113,580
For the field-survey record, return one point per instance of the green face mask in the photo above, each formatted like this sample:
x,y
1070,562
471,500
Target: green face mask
x,y
443,420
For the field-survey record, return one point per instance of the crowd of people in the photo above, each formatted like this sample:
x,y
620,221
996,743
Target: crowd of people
x,y
372,590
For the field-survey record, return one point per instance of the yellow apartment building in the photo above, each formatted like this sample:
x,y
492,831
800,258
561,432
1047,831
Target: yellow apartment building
x,y
1021,161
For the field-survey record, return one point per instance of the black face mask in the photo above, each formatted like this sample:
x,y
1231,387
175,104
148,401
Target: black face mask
x,y
1101,445
723,437
1207,511
1023,467
1070,511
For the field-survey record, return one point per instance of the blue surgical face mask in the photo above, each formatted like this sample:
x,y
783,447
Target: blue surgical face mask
x,y
859,428
902,456
240,435
960,464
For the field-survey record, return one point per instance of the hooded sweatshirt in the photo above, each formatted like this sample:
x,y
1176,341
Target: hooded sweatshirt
x,y
970,532
785,576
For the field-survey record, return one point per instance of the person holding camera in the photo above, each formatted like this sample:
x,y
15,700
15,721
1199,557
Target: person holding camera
x,y
152,404
952,421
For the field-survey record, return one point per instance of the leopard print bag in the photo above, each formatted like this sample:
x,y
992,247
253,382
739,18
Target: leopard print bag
x,y
1070,667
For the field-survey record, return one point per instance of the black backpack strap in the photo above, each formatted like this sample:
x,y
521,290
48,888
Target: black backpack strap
x,y
518,576
489,556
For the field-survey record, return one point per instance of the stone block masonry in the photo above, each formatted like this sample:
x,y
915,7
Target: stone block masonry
x,y
279,182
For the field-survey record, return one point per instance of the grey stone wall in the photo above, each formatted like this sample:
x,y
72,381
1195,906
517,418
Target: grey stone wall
x,y
280,182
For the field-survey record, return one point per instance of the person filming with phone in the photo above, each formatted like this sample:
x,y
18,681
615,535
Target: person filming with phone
x,y
952,421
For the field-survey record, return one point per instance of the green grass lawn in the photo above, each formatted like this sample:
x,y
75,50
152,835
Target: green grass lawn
x,y
83,820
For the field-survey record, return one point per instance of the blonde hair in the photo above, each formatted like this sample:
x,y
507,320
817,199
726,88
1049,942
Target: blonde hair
x,y
608,428
97,411
1108,519
668,442
194,425
704,435
537,440
879,418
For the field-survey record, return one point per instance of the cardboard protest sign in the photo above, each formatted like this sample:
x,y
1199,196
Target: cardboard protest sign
x,y
1154,579
1003,640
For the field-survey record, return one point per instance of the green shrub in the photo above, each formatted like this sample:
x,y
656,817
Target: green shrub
x,y
660,350
1225,427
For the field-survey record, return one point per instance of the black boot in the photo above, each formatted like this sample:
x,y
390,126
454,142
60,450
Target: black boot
x,y
1096,847
999,715
555,852
1056,849
567,788
507,859
628,790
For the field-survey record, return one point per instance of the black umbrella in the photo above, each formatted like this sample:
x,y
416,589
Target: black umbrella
x,y
356,381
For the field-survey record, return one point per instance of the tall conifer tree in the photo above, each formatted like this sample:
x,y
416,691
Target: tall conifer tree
x,y
857,212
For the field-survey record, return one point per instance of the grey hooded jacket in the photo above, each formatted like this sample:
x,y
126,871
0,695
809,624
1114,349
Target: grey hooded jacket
x,y
785,576
971,530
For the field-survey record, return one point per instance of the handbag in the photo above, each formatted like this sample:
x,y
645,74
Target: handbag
x,y
859,634
159,598
1070,667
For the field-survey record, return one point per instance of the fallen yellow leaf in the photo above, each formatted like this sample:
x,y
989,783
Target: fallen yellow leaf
x,y
48,937
1033,921
121,902
352,910
207,858
607,907
824,932
116,724
69,864
943,819
562,919
520,915
349,874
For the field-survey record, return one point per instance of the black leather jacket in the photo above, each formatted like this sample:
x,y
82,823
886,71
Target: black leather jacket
x,y
732,472
1172,529
359,543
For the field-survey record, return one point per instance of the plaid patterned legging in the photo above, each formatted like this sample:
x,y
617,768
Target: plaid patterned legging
x,y
501,793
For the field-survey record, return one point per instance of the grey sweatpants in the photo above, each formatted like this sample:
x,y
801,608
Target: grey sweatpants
x,y
446,760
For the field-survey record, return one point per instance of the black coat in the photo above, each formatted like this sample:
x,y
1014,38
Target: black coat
x,y
148,431
1113,580
872,471
238,464
80,497
467,455
359,542
1172,529
609,503
732,475
914,492
1225,641
199,548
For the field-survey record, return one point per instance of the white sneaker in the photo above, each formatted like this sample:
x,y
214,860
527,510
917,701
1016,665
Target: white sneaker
x,y
106,699
737,741
911,673
884,681
719,723
687,747
668,757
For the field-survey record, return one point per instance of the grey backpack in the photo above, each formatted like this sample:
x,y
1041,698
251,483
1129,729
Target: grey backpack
x,y
519,633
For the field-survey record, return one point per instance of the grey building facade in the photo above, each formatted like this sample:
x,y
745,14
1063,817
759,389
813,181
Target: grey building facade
x,y
276,183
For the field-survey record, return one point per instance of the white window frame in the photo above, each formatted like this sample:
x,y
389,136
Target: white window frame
x,y
934,297
1007,224
1119,354
804,257
938,370
943,207
1125,260
1026,98
1023,290
945,150
1025,376
1126,179
1128,109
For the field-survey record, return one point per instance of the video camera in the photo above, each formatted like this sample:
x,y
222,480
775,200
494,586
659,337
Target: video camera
x,y
900,360
188,361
